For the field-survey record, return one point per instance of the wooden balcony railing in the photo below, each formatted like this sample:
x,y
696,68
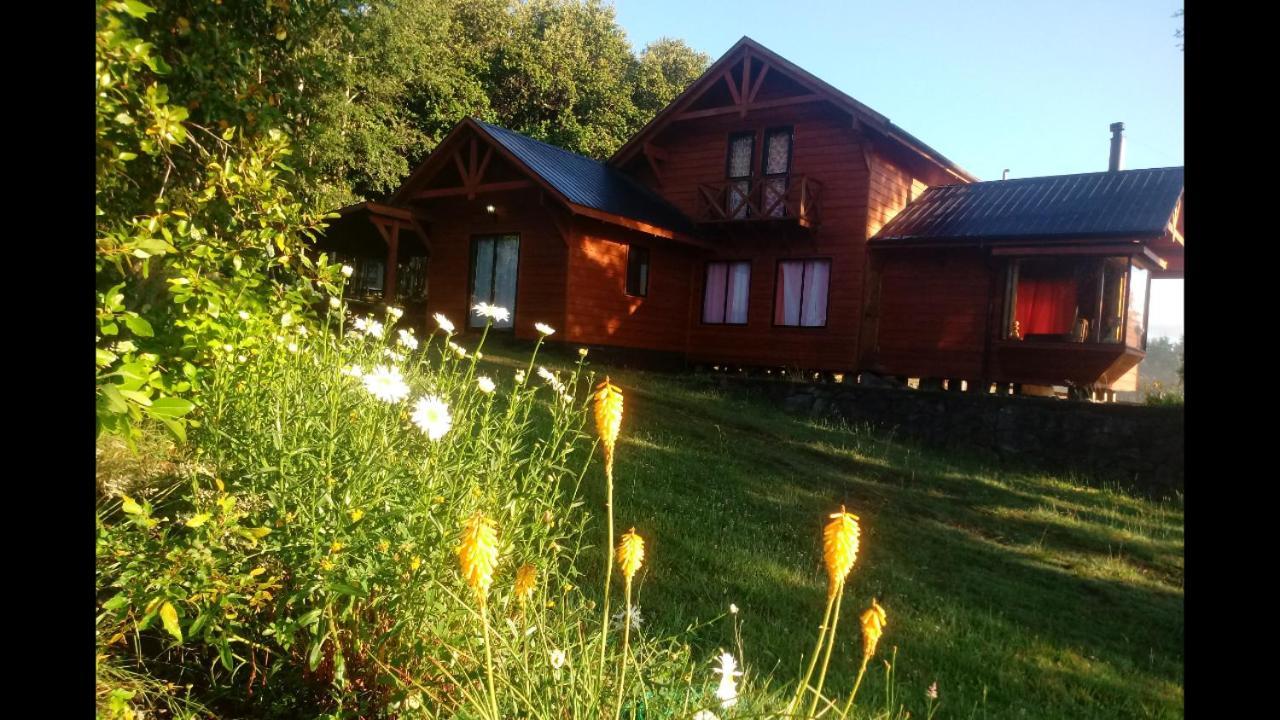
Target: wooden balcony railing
x,y
795,198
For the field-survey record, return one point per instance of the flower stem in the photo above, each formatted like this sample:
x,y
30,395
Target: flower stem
x,y
831,643
813,662
856,683
608,558
626,639
488,661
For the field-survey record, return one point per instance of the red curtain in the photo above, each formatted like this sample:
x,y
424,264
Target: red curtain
x,y
1046,305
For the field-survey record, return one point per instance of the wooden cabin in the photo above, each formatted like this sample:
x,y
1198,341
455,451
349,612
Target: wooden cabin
x,y
757,221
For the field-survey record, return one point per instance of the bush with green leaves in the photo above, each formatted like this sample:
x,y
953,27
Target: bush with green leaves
x,y
194,229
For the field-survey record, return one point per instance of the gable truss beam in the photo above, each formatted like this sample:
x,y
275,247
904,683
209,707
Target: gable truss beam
x,y
744,109
471,168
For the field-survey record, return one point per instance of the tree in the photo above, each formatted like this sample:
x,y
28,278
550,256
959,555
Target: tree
x,y
665,68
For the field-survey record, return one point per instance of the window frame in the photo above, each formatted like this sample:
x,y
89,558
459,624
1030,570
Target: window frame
x,y
648,270
826,306
702,307
471,278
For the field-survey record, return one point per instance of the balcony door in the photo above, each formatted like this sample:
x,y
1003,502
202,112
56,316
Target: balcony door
x,y
495,260
776,162
738,173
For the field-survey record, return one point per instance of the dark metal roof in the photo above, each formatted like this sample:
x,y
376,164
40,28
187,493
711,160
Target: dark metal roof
x,y
590,183
1102,204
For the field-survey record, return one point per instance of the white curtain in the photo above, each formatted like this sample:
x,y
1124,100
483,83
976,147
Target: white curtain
x,y
739,285
713,294
482,281
814,310
786,305
801,296
504,279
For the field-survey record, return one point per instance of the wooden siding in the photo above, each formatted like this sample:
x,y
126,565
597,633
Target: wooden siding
x,y
540,279
826,148
598,309
932,313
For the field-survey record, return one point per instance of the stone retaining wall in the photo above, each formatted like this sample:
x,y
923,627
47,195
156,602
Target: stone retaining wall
x,y
1139,444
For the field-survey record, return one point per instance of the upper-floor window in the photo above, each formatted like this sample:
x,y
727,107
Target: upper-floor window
x,y
777,166
637,270
724,295
800,297
738,171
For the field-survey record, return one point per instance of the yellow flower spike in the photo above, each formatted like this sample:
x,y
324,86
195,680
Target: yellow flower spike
x,y
526,578
478,554
630,553
873,621
840,547
608,412
356,515
415,563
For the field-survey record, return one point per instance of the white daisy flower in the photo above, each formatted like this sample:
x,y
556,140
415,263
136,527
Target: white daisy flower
x,y
727,692
636,619
243,315
444,323
705,715
241,359
354,371
228,348
293,347
373,328
408,340
519,376
395,312
544,329
398,357
545,374
493,312
557,659
347,270
457,349
431,415
302,331
286,319
335,303
486,384
386,383
733,608
360,323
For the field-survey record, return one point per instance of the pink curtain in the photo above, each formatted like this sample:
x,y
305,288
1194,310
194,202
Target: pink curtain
x,y
739,284
1047,305
814,311
713,294
786,301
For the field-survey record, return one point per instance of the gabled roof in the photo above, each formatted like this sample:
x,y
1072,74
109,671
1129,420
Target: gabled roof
x,y
866,116
590,183
1126,203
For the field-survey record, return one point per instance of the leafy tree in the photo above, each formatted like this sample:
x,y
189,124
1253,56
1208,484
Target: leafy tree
x,y
664,69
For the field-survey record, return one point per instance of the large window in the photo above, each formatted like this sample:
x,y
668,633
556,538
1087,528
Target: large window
x,y
637,270
724,296
800,298
494,262
1076,299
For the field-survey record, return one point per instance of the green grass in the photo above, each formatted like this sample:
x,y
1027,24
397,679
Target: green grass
x,y
1023,594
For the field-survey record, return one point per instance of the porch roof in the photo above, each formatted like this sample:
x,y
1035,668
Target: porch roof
x,y
590,183
1121,204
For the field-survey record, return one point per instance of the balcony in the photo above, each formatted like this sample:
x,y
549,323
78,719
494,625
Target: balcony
x,y
790,198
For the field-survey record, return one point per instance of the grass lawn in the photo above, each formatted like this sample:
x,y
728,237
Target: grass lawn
x,y
1022,594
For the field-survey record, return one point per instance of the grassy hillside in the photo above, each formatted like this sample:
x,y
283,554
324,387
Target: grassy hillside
x,y
1021,594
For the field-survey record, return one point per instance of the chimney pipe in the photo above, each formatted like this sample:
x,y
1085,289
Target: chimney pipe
x,y
1005,176
1117,147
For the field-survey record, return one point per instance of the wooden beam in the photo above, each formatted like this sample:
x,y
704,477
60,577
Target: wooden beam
x,y
653,154
733,90
637,225
484,163
746,80
395,212
780,102
1066,250
755,89
393,259
471,192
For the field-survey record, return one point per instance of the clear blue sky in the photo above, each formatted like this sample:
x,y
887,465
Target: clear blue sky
x,y
991,84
